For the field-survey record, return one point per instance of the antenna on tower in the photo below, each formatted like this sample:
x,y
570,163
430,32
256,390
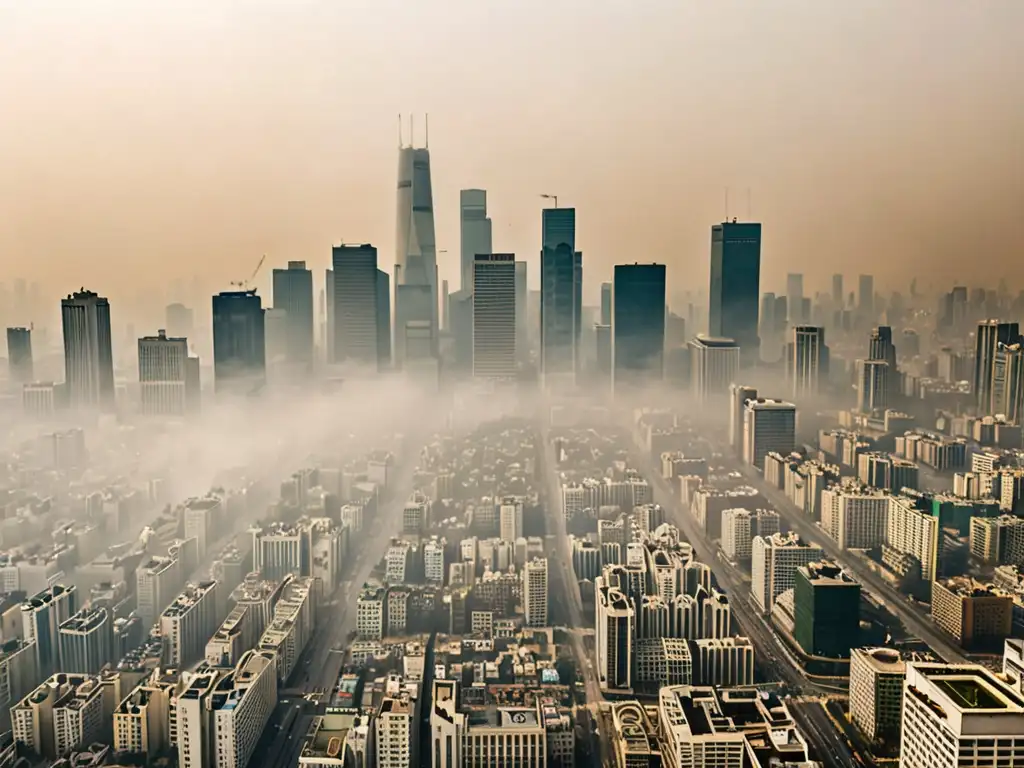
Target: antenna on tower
x,y
426,119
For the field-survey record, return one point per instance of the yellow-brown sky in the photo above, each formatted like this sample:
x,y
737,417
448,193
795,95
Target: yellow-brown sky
x,y
143,140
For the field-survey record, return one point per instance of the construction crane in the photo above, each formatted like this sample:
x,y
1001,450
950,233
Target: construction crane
x,y
244,284
551,197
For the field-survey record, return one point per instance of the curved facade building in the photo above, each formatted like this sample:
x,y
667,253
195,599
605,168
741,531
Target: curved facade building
x,y
416,257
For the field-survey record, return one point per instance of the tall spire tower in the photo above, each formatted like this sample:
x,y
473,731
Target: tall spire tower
x,y
416,299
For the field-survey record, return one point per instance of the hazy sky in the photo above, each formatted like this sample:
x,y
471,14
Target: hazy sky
x,y
142,140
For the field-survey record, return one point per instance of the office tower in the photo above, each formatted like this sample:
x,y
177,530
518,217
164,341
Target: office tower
x,y
991,333
168,377
461,316
795,297
1008,382
606,303
773,563
355,304
416,257
872,385
958,715
826,610
614,636
239,342
735,286
714,364
180,320
19,355
638,324
535,592
475,232
837,291
510,519
769,426
767,318
88,355
880,347
876,692
522,319
293,292
384,319
41,616
807,360
560,293
494,316
866,297
327,337
87,641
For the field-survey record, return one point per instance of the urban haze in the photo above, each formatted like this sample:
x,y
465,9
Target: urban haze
x,y
494,384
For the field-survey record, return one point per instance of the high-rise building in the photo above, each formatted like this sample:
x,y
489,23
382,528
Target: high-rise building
x,y
560,294
522,318
768,426
795,297
872,385
88,354
41,615
239,342
168,377
475,232
355,304
187,624
606,303
855,518
826,610
866,296
958,715
880,347
739,394
773,565
714,363
510,518
990,334
494,316
876,692
180,320
535,592
416,289
383,320
638,324
397,731
293,292
807,360
19,355
615,619
837,291
87,641
735,286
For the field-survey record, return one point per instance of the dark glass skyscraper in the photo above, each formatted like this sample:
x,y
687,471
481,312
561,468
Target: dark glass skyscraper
x,y
293,292
735,285
561,277
638,324
383,319
88,353
19,355
239,345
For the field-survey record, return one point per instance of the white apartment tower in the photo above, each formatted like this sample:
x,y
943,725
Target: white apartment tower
x,y
855,518
774,562
510,519
714,363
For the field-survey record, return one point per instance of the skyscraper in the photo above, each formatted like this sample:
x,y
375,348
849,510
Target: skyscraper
x,y
638,324
1008,382
494,316
807,360
535,592
880,347
739,394
416,258
735,286
795,296
383,319
991,333
714,364
293,292
168,377
475,231
355,304
239,343
327,338
19,355
88,355
522,327
606,303
560,293
768,426
872,385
